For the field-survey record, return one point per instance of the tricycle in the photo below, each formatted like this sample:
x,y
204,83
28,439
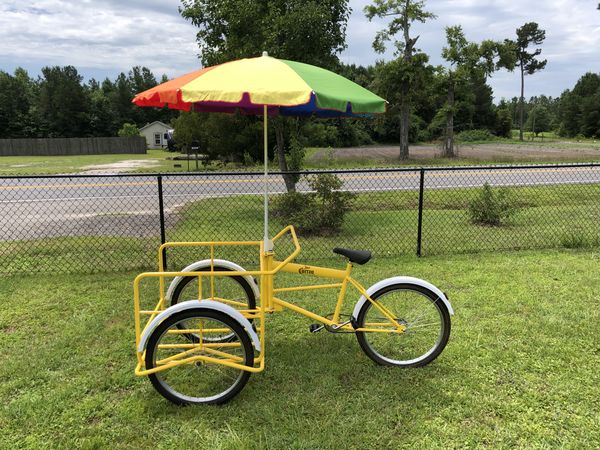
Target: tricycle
x,y
206,334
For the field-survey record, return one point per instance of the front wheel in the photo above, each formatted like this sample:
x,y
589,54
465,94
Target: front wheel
x,y
198,381
423,316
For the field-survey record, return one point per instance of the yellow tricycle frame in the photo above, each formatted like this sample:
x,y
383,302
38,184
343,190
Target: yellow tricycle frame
x,y
268,301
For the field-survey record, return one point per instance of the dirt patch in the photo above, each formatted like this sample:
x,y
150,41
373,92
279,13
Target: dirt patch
x,y
119,167
486,152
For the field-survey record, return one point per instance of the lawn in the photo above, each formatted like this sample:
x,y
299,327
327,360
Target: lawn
x,y
520,370
159,161
384,222
48,165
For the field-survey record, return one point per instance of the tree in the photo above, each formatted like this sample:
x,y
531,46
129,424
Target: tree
x,y
539,120
482,104
579,110
100,114
528,34
16,97
189,127
309,31
388,83
62,103
468,61
503,122
213,133
405,12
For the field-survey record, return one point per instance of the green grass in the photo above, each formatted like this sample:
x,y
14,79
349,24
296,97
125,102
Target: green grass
x,y
520,370
550,139
47,165
386,223
547,217
82,254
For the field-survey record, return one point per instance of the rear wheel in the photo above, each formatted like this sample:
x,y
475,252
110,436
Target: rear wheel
x,y
199,382
235,291
424,316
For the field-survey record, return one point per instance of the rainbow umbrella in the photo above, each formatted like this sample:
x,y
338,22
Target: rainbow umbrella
x,y
265,86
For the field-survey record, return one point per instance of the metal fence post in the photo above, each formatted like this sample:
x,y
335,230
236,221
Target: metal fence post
x,y
420,223
161,212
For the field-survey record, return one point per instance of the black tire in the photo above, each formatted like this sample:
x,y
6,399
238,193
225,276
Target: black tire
x,y
190,376
405,350
244,287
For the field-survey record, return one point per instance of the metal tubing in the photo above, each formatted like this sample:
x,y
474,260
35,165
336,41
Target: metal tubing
x,y
268,245
161,212
308,288
420,224
342,294
303,311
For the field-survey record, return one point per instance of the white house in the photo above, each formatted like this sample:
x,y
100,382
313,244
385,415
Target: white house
x,y
155,134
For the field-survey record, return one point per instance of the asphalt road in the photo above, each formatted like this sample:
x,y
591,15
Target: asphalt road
x,y
128,206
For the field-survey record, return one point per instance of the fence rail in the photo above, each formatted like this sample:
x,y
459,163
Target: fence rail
x,y
72,146
83,223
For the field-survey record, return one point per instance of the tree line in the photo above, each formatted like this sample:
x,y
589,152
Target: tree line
x,y
58,103
426,102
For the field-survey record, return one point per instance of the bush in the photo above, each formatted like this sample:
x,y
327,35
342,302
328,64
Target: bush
x,y
128,129
474,135
577,239
316,213
491,207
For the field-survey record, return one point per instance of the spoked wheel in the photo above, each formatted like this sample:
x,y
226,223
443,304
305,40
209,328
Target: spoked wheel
x,y
234,291
198,382
424,316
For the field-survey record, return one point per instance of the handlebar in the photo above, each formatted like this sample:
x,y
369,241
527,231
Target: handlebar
x,y
292,231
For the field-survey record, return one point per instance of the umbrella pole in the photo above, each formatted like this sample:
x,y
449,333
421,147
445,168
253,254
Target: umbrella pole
x,y
268,244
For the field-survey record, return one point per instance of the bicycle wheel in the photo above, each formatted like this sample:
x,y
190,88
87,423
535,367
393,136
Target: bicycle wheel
x,y
236,290
198,382
424,315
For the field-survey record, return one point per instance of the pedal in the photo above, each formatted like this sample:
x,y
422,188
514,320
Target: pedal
x,y
315,327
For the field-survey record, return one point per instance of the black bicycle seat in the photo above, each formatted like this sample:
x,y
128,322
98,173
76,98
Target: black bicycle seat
x,y
355,256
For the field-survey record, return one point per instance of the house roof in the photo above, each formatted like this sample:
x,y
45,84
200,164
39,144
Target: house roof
x,y
156,121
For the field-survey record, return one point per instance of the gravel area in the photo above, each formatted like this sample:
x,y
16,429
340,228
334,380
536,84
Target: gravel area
x,y
118,167
486,152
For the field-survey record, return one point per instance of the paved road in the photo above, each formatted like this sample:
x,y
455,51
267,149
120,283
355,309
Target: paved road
x,y
37,208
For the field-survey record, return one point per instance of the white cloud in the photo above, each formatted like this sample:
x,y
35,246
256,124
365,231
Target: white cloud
x,y
571,45
104,37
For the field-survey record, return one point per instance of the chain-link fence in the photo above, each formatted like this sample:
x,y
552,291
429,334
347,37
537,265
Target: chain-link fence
x,y
116,222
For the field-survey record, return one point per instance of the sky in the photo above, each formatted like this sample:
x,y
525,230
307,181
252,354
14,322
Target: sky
x,y
102,38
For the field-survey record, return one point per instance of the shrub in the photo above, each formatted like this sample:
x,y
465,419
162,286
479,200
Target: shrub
x,y
318,213
474,135
128,129
491,207
577,239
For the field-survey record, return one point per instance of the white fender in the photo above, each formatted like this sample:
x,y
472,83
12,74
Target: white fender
x,y
195,267
202,304
401,280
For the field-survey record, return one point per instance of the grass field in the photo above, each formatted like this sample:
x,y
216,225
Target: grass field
x,y
158,159
547,217
386,222
47,165
520,370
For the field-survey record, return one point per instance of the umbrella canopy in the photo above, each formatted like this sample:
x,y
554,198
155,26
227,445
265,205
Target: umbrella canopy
x,y
265,86
286,87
